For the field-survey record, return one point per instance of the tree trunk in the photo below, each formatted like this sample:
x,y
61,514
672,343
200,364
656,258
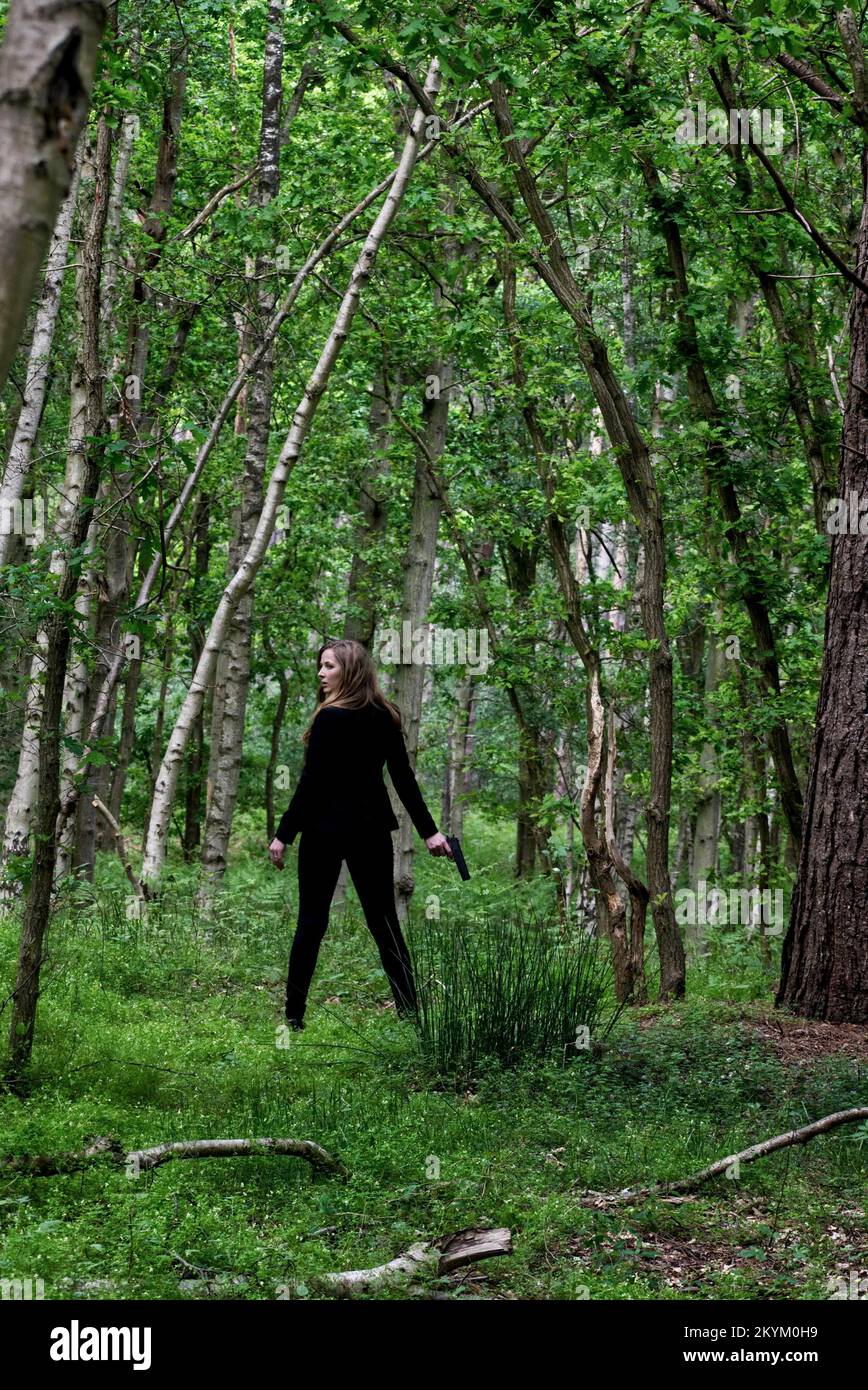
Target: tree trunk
x,y
37,907
74,698
47,66
18,461
23,799
706,831
416,599
233,668
137,425
362,611
196,630
455,786
824,968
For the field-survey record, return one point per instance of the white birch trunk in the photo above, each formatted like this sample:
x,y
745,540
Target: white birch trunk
x,y
233,668
18,462
47,65
74,699
19,812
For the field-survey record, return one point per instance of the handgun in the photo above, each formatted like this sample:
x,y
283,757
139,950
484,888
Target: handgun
x,y
458,858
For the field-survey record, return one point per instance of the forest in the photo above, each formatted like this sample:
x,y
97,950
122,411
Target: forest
x,y
524,348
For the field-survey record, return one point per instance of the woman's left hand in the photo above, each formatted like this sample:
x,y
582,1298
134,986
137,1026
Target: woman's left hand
x,y
438,844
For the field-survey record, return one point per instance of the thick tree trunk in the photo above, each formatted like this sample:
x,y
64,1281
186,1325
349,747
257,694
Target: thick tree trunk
x,y
23,799
824,968
18,461
37,907
47,66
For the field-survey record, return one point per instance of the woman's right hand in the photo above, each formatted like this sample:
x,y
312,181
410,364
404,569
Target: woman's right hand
x,y
275,851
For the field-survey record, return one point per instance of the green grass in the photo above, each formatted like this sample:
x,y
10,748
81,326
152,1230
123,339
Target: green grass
x,y
168,1029
511,987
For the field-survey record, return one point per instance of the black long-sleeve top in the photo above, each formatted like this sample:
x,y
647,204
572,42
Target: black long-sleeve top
x,y
341,787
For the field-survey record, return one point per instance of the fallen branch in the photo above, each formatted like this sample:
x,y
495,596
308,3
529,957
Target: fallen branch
x,y
44,1165
419,1258
769,1146
105,1148
436,1257
104,811
236,1148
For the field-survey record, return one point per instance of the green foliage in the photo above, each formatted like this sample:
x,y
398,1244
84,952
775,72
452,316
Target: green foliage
x,y
508,987
165,1028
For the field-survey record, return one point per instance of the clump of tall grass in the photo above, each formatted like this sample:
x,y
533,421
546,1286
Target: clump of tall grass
x,y
507,987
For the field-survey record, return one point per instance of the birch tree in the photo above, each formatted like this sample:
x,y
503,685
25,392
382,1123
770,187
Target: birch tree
x,y
47,66
232,677
85,427
17,467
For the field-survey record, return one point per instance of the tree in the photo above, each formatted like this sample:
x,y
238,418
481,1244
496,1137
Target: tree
x,y
47,66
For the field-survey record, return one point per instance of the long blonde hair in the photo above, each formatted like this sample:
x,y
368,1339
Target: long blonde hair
x,y
358,684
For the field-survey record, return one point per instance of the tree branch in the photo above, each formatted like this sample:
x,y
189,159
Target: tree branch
x,y
140,1160
630,1195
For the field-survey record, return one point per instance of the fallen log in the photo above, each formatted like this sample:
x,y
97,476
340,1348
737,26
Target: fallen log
x,y
106,1149
45,1165
730,1165
435,1257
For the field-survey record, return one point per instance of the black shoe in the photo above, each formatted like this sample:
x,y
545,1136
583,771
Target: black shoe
x,y
295,1023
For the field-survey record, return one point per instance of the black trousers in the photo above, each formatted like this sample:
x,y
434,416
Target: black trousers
x,y
369,861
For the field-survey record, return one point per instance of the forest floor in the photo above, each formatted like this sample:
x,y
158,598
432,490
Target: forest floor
x,y
168,1030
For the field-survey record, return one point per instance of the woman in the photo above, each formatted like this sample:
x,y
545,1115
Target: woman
x,y
343,811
